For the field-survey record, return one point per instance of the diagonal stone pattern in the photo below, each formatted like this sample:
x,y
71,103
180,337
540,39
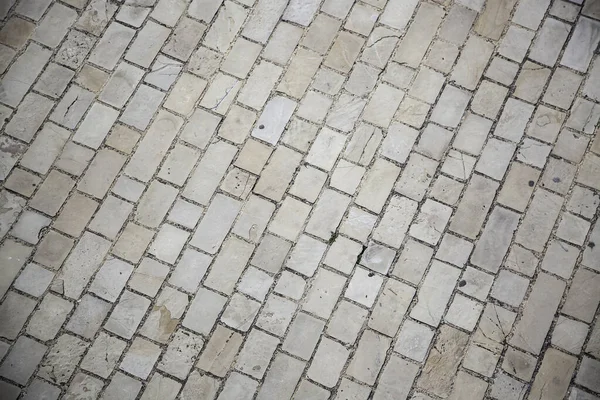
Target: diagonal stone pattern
x,y
299,199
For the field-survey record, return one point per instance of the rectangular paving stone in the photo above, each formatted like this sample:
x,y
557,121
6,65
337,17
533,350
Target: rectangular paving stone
x,y
180,354
377,185
554,375
147,44
395,222
369,357
495,239
390,307
22,360
282,378
282,43
220,351
474,206
13,256
21,75
328,362
101,173
204,10
49,317
29,117
396,379
321,298
529,13
258,86
419,35
435,292
127,315
539,220
273,119
111,46
142,107
154,146
262,20
228,266
397,13
278,173
303,66
224,29
552,36
442,363
532,328
184,39
494,18
583,296
256,354
45,148
327,214
471,63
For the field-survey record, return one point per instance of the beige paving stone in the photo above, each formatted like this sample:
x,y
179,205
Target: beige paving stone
x,y
341,129
443,361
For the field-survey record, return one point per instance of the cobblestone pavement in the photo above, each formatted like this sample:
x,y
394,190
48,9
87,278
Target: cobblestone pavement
x,y
299,199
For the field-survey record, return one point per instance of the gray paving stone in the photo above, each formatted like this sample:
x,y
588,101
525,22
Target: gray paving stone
x,y
88,316
22,360
126,316
62,359
103,356
49,317
368,359
541,305
339,169
147,44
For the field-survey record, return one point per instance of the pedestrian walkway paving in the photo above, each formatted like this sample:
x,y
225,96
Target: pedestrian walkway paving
x,y
299,199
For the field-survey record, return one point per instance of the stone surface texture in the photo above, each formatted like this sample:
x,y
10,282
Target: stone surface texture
x,y
299,199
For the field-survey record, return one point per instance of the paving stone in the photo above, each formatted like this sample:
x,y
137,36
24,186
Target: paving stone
x,y
23,73
22,361
147,44
140,358
478,196
29,117
495,239
419,35
254,357
39,388
539,309
263,19
432,298
101,173
322,296
122,387
126,316
220,351
30,227
493,19
576,55
281,45
54,80
103,356
161,387
471,63
185,38
62,359
397,13
539,220
328,362
48,319
369,357
74,159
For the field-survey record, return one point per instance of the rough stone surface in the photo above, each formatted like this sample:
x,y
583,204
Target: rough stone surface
x,y
303,199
